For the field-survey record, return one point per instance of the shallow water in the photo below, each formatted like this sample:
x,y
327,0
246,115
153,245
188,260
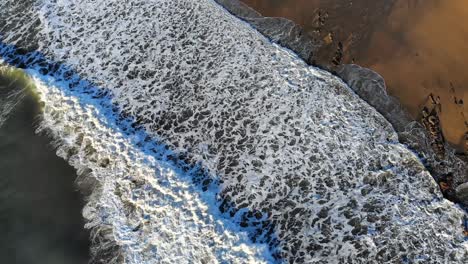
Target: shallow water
x,y
40,209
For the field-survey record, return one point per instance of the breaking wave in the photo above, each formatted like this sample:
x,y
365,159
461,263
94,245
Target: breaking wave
x,y
10,98
141,208
198,140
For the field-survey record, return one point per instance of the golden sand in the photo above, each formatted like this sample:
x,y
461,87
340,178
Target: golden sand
x,y
419,47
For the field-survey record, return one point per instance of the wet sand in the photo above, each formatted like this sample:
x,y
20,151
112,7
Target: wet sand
x,y
40,209
417,46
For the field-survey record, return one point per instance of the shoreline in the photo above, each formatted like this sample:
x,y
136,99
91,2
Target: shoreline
x,y
451,168
399,40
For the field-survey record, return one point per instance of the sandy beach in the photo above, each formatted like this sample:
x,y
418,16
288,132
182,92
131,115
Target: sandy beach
x,y
417,46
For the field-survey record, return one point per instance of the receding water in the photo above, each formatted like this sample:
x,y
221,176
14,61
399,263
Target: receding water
x,y
40,208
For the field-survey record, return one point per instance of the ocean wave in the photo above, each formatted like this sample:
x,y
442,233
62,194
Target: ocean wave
x,y
141,209
294,158
9,97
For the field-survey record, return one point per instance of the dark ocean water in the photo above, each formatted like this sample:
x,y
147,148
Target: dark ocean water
x,y
40,208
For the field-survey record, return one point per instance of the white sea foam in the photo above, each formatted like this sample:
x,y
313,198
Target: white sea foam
x,y
151,209
301,162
